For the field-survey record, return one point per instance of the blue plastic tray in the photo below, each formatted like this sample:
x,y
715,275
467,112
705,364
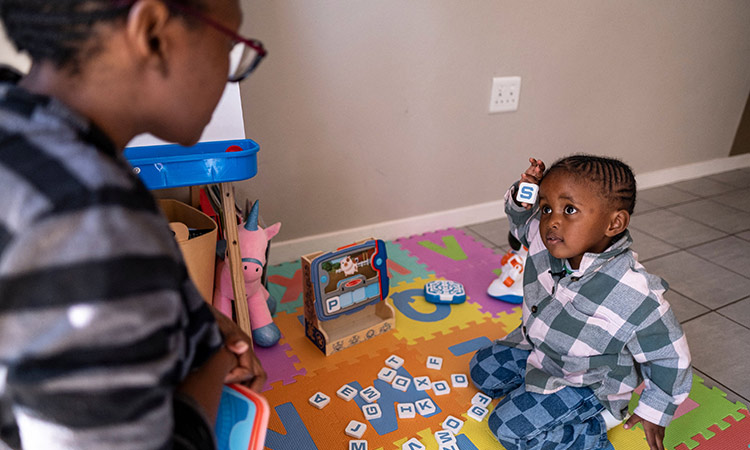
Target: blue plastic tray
x,y
168,166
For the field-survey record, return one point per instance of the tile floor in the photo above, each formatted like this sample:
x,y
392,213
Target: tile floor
x,y
696,235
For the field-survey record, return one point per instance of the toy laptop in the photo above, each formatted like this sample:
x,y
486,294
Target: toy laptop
x,y
344,293
242,420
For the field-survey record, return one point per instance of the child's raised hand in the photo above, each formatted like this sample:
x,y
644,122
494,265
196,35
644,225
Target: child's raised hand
x,y
526,197
534,173
654,432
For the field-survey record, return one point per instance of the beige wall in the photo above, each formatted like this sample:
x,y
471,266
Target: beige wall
x,y
376,110
741,143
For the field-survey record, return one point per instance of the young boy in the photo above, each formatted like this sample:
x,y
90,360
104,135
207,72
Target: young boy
x,y
595,324
105,343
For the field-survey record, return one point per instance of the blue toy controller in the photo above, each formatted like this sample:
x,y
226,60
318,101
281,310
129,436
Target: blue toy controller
x,y
444,291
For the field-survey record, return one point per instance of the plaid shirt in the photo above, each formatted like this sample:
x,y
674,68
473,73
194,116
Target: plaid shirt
x,y
605,326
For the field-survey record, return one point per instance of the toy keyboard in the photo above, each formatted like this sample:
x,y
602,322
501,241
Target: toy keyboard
x,y
444,291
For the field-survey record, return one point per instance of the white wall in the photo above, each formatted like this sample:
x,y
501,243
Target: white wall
x,y
374,111
9,55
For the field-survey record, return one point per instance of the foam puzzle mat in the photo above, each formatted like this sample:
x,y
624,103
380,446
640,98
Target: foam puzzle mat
x,y
297,370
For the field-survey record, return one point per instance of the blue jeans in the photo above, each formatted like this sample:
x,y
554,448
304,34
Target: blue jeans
x,y
568,419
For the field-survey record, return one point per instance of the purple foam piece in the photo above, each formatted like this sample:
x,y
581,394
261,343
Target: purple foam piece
x,y
278,365
475,271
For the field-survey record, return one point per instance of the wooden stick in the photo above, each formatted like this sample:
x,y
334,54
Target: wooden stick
x,y
235,258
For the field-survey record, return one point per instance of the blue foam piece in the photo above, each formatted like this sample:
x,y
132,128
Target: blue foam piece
x,y
403,300
296,437
389,396
469,346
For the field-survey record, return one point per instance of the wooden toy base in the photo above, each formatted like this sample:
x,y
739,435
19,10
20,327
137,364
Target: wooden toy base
x,y
354,326
335,335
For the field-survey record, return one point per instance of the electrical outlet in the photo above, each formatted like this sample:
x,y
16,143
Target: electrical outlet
x,y
505,94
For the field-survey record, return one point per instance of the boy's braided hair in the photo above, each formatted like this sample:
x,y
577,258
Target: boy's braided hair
x,y
614,177
59,31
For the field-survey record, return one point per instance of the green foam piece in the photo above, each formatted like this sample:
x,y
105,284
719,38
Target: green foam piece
x,y
713,408
450,248
286,270
404,259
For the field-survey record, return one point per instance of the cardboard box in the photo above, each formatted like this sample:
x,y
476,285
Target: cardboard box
x,y
199,252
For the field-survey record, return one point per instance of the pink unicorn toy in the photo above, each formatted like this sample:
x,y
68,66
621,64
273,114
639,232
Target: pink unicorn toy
x,y
253,241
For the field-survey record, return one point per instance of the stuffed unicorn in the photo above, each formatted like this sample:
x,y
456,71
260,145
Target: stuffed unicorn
x,y
253,241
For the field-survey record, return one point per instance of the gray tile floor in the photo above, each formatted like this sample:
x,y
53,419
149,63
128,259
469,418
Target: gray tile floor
x,y
696,235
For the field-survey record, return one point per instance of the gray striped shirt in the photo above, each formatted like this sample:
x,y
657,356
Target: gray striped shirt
x,y
98,318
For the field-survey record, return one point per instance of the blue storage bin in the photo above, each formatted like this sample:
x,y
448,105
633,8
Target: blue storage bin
x,y
168,166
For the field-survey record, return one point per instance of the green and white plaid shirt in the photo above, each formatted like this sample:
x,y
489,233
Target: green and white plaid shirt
x,y
605,326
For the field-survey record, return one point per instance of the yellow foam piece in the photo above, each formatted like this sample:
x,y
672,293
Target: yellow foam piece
x,y
461,315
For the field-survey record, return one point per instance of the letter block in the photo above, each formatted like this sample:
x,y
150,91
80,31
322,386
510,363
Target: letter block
x,y
358,445
527,193
445,437
459,380
425,407
453,424
422,383
480,399
413,444
319,400
387,374
441,388
401,383
394,362
355,429
434,362
370,394
406,410
346,392
477,413
372,411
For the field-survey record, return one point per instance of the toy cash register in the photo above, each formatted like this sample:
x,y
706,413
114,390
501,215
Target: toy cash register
x,y
344,294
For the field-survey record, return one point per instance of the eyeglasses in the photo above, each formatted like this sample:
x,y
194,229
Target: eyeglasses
x,y
246,53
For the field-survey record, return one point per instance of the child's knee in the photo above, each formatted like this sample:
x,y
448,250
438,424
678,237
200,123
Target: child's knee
x,y
496,370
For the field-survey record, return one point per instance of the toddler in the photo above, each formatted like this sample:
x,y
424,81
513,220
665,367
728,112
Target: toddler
x,y
595,324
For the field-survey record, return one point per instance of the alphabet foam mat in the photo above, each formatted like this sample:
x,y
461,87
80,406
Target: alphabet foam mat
x,y
297,370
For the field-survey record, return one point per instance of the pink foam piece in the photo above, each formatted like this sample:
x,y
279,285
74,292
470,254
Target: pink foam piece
x,y
685,407
476,280
441,264
475,272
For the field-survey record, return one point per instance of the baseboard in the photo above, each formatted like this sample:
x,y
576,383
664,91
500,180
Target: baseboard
x,y
294,248
690,171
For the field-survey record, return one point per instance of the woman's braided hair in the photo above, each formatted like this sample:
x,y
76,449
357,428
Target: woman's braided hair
x,y
59,31
614,178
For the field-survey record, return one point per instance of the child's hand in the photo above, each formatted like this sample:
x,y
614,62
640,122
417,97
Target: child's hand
x,y
654,432
532,175
247,369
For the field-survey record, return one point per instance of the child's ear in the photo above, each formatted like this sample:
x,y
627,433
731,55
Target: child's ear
x,y
618,222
